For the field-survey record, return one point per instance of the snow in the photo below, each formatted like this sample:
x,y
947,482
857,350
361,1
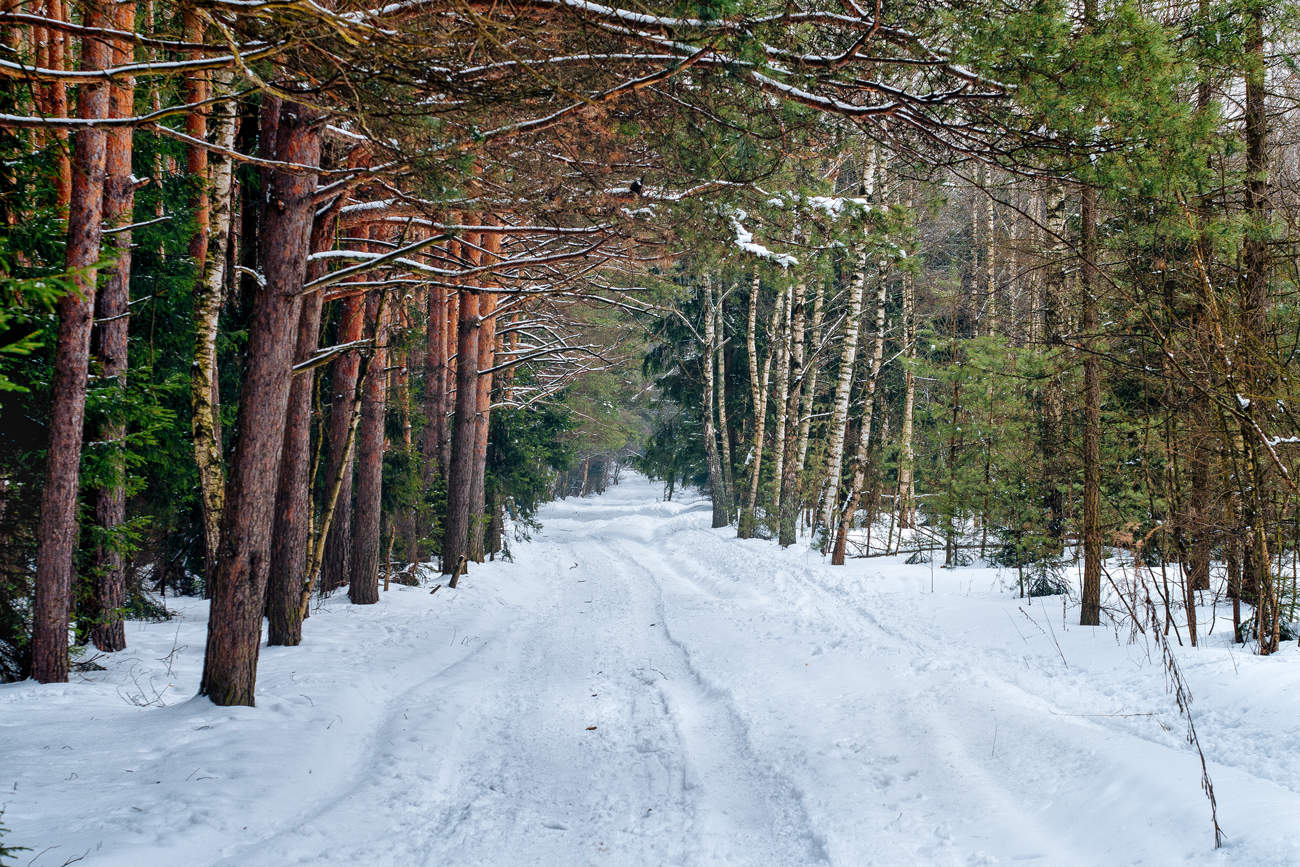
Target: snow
x,y
750,705
745,241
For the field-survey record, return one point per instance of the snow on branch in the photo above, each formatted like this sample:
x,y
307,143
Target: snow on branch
x,y
745,241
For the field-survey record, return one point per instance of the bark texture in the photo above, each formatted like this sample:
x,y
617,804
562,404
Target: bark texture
x,y
208,292
57,527
843,389
290,535
789,478
239,591
862,453
460,472
717,485
112,313
363,583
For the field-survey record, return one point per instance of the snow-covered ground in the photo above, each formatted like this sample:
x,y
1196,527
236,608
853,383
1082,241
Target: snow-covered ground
x,y
639,689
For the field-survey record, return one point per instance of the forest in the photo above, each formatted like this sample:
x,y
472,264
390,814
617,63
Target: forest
x,y
302,301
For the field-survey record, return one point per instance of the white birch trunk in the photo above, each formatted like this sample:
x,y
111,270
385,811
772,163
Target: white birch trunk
x,y
843,388
716,484
207,310
906,487
781,400
758,394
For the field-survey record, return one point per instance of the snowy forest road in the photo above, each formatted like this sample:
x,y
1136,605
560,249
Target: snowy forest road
x,y
638,689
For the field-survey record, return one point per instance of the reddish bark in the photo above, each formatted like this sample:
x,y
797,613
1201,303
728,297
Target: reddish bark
x,y
57,529
483,408
110,338
363,584
451,337
435,386
460,472
290,537
337,564
58,91
197,89
238,599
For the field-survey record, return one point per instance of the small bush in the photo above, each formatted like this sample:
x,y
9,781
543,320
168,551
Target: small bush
x,y
7,852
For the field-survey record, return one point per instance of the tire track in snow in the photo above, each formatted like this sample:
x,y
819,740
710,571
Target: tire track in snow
x,y
745,811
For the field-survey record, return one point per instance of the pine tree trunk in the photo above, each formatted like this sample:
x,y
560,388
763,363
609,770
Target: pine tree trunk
x,y
456,531
1090,601
487,341
57,99
1051,439
336,565
340,474
788,511
57,527
196,126
435,386
363,578
290,536
112,310
1256,562
239,594
451,334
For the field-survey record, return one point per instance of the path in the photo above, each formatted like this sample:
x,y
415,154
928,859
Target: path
x,y
639,689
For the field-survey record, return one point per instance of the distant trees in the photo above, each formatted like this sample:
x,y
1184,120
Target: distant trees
x,y
1087,345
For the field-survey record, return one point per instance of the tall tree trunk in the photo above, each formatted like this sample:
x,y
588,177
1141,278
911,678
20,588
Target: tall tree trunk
x,y
57,528
56,10
862,454
487,341
336,565
758,399
451,335
1051,436
812,367
239,594
340,473
720,393
112,310
781,401
991,309
843,388
468,327
363,583
1090,602
196,126
1256,562
717,486
789,479
435,386
204,393
1201,427
290,535
905,501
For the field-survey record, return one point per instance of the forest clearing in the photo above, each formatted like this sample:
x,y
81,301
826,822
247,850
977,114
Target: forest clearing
x,y
369,374
636,688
